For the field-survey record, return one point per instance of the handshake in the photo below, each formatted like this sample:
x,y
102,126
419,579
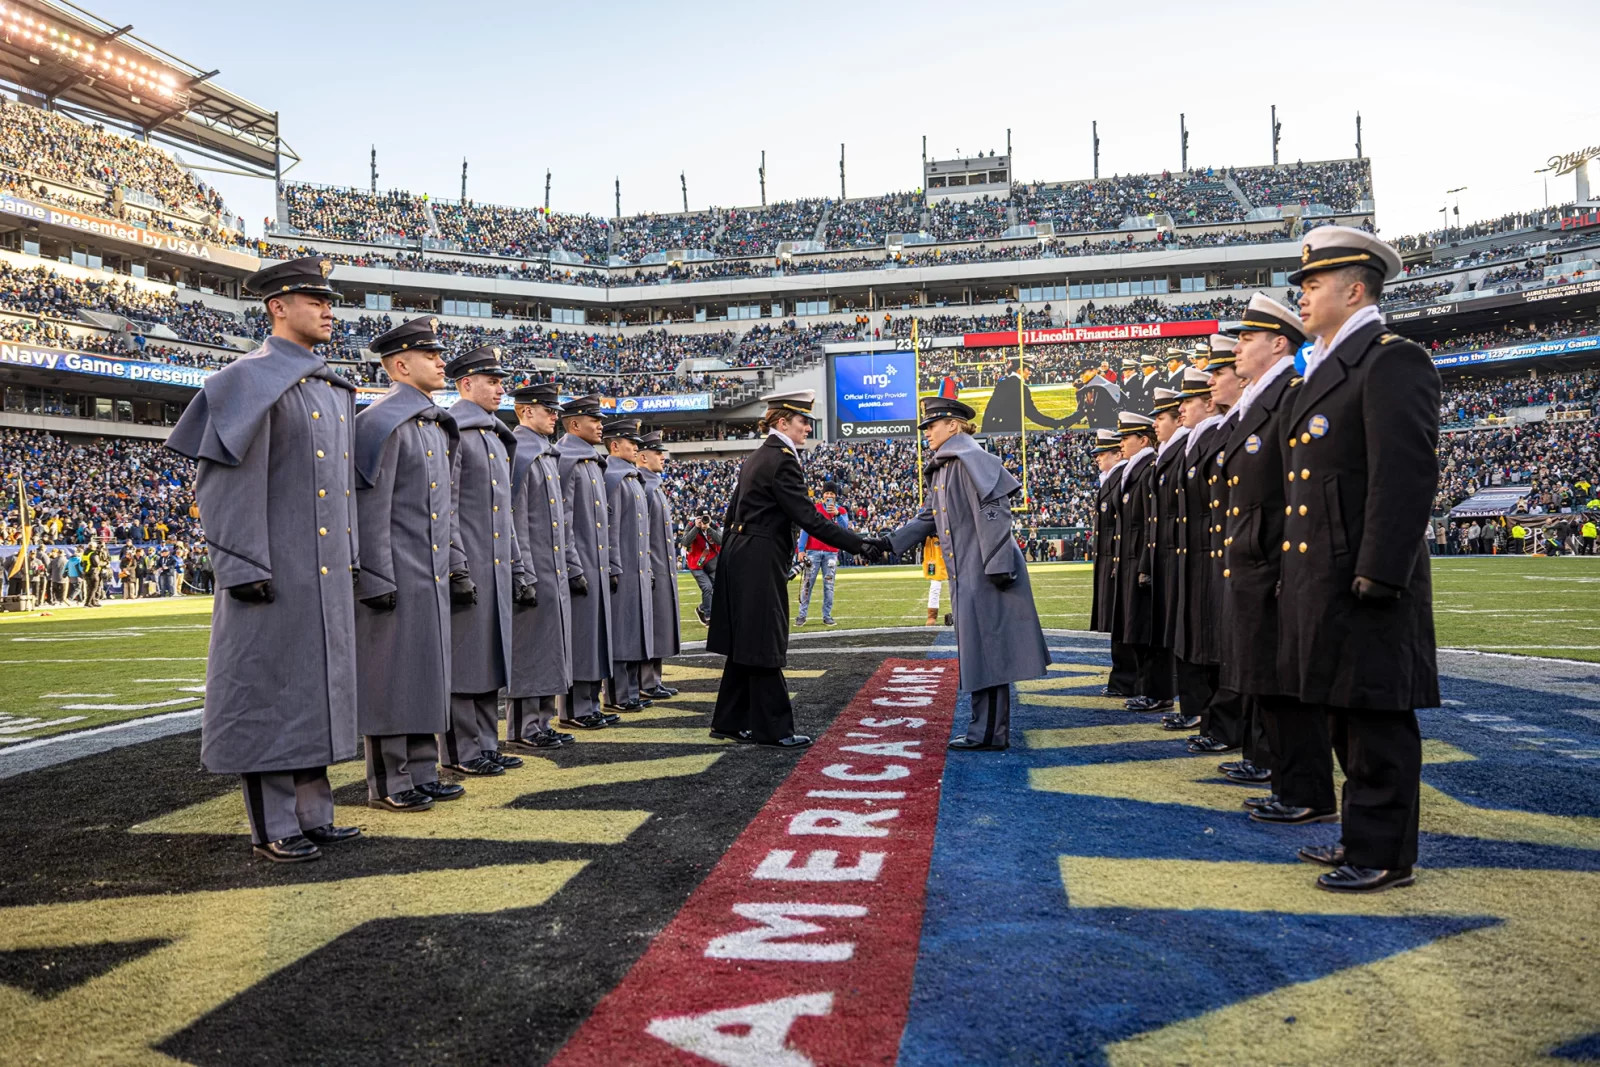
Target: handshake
x,y
875,548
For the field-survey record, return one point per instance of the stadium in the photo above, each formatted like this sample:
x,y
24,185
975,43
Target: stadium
x,y
1093,894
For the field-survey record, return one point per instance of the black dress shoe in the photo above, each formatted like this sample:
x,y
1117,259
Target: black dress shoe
x,y
292,849
1250,775
1108,691
1259,802
546,739
1279,812
510,763
967,744
1327,855
1348,879
1179,722
478,766
1147,704
792,741
1231,765
743,737
442,790
630,706
593,721
331,834
565,739
406,800
660,692
608,718
1204,743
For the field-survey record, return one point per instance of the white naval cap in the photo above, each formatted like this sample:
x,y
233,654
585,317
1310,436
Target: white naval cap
x,y
800,400
1332,247
1265,313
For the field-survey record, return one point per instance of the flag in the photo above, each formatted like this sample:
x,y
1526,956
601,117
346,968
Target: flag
x,y
22,515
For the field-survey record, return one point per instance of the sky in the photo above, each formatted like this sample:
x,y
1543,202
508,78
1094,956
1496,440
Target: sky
x,y
1457,94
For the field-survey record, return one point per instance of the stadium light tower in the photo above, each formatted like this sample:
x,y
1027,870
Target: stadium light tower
x,y
1183,142
1358,136
1277,134
762,174
374,168
463,179
683,181
618,215
547,191
841,170
1094,131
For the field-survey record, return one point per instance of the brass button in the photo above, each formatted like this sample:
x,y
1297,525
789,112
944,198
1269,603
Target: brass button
x,y
1291,476
316,414
1227,541
1305,472
497,563
1236,511
1286,546
324,570
322,531
1288,509
319,453
1235,480
433,515
1302,546
1305,438
1302,509
433,485
341,418
322,492
436,577
430,452
497,533
1226,572
302,381
347,492
436,548
1292,442
1216,503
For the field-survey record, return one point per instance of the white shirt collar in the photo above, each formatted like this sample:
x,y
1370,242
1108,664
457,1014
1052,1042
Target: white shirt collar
x,y
1320,350
1255,388
1105,476
1135,458
1167,445
1194,438
783,439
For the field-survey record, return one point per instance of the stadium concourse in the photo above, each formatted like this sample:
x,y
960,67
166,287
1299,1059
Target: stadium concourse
x,y
650,894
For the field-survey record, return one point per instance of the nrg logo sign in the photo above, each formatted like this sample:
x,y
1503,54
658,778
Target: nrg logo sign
x,y
880,380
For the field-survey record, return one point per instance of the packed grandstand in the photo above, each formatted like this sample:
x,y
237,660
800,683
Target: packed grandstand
x,y
1089,283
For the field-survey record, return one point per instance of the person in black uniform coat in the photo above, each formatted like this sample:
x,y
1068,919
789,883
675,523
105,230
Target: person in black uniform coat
x,y
1124,667
1135,609
750,602
1253,470
1356,613
1165,483
1011,400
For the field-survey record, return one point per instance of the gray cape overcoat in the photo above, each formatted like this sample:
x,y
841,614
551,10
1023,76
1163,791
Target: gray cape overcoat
x,y
272,432
403,504
998,637
632,624
583,496
480,659
541,637
664,565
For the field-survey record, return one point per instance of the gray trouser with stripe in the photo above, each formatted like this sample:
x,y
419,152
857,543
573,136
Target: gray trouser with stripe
x,y
650,674
991,715
474,727
529,716
281,804
583,699
398,762
623,685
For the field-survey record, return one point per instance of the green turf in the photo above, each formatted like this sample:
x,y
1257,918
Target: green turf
x,y
148,657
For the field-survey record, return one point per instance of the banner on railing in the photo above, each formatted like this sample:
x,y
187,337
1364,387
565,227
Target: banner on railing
x,y
128,370
1525,351
1067,335
127,233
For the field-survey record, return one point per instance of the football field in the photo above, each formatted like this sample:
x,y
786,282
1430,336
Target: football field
x,y
650,895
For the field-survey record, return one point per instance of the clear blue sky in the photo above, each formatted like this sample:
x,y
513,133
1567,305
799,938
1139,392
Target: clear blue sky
x,y
1452,94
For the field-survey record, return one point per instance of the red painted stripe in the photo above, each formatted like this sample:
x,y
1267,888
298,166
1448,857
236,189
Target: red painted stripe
x,y
834,991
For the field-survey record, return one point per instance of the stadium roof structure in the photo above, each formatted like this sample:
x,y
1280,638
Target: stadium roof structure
x,y
78,63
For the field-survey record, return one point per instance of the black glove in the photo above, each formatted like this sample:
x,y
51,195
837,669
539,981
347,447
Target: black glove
x,y
253,592
652,581
355,575
463,594
579,585
383,602
1371,589
1002,581
524,594
615,582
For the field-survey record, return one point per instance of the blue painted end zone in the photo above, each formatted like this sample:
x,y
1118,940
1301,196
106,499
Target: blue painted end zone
x,y
1009,972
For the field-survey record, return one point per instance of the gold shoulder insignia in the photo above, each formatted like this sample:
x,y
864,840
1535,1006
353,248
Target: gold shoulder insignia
x,y
1296,380
1389,338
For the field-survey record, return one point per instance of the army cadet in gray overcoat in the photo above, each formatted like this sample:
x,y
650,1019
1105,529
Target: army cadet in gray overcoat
x,y
663,564
583,496
404,502
541,629
272,433
632,620
480,625
1356,614
998,638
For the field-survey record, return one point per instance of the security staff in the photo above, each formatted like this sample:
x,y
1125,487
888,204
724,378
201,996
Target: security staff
x,y
583,498
628,560
405,507
1356,615
272,432
663,564
541,625
1108,458
481,598
1268,338
1135,603
750,604
998,638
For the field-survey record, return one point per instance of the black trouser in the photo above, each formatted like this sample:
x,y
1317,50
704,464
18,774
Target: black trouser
x,y
1305,747
1196,686
1155,672
1383,780
1124,680
1257,739
754,700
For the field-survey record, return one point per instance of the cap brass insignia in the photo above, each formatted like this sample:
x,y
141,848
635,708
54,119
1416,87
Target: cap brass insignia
x,y
433,324
1305,254
326,266
496,351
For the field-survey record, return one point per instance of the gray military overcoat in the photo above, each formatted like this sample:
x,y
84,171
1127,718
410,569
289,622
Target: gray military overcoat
x,y
633,619
541,637
272,432
403,504
480,656
583,496
664,565
998,638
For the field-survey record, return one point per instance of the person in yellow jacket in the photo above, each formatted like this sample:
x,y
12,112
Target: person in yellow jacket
x,y
933,566
1588,532
1519,538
